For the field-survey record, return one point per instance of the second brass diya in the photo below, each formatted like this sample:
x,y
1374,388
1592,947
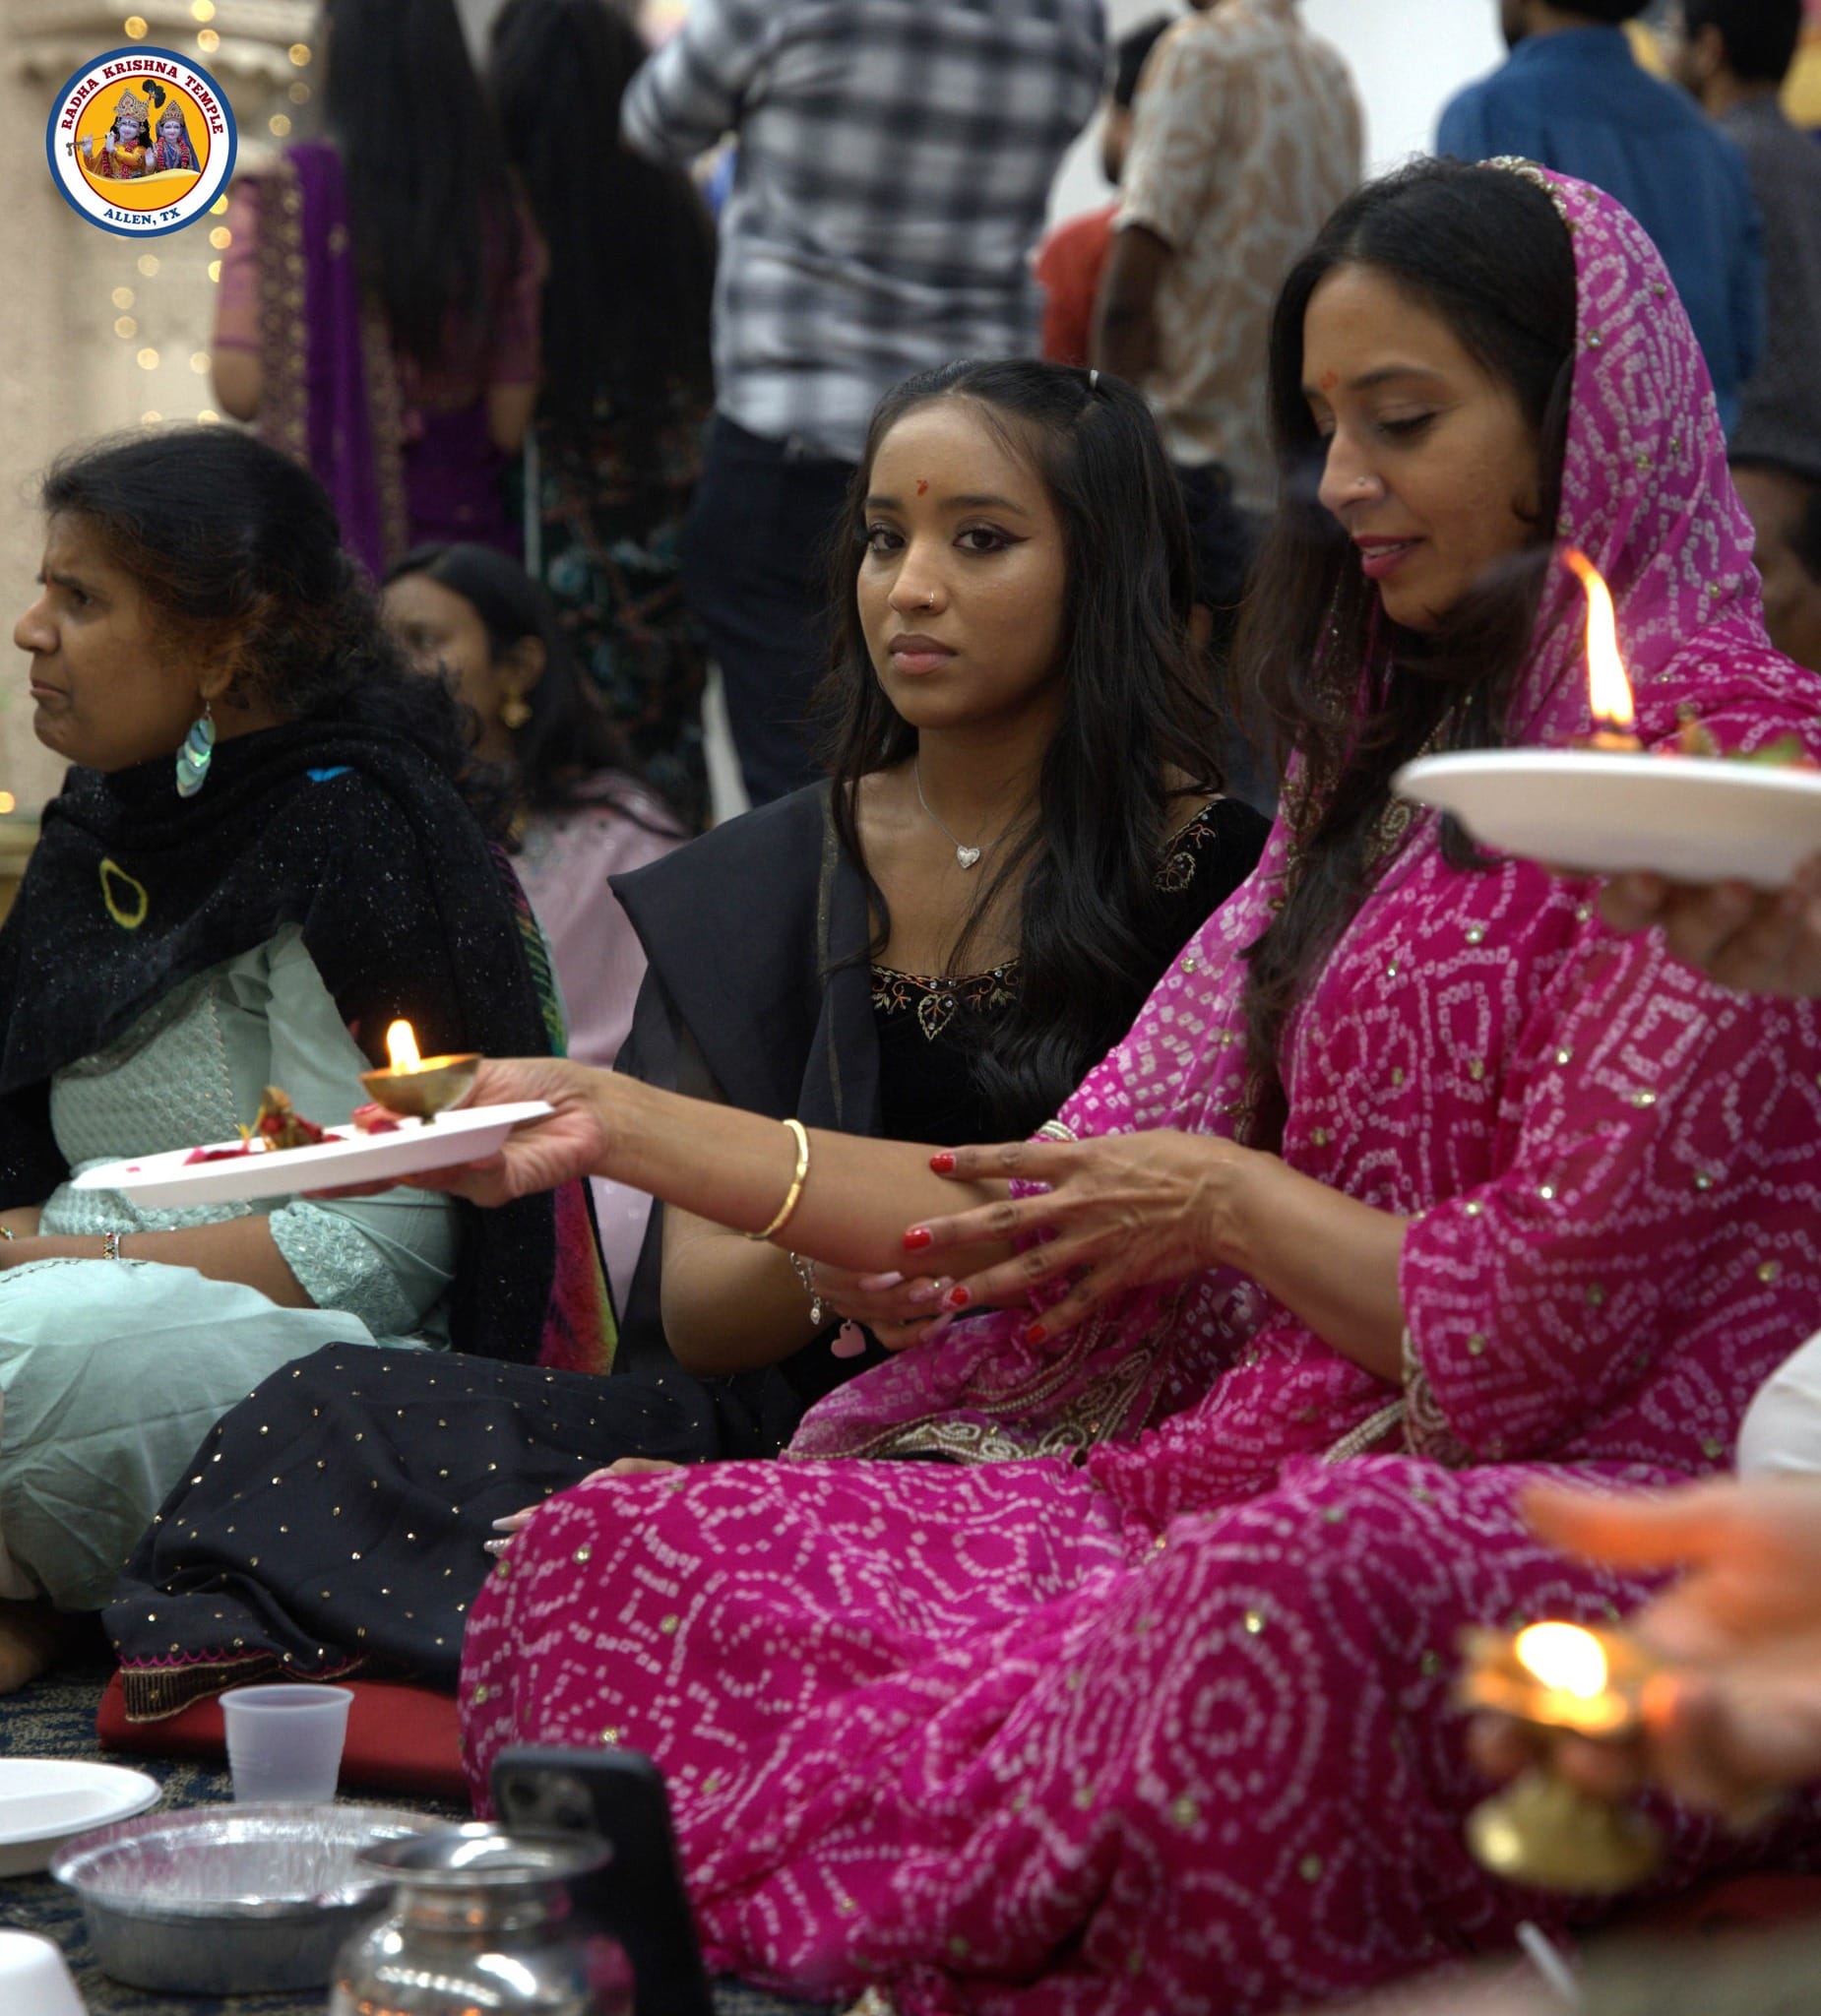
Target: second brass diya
x,y
1540,1829
420,1094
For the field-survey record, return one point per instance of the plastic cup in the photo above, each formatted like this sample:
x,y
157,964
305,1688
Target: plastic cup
x,y
285,1743
33,1976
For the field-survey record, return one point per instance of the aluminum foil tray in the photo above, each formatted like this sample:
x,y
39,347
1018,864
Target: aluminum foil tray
x,y
230,1900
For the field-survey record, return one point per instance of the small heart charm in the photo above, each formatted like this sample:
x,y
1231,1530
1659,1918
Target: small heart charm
x,y
849,1342
966,855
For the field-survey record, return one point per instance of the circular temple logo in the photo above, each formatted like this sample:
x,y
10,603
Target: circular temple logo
x,y
140,142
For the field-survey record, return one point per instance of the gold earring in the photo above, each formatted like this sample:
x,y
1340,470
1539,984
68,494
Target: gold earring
x,y
514,711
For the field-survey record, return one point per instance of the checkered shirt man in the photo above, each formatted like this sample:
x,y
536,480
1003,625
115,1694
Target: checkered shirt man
x,y
895,159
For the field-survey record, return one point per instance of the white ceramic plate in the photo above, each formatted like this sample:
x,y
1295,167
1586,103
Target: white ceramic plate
x,y
1689,818
469,1134
46,1801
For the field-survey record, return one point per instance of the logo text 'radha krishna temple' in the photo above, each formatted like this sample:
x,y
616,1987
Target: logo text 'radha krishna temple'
x,y
141,141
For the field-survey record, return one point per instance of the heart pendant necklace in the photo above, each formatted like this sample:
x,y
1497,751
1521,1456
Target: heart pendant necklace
x,y
965,856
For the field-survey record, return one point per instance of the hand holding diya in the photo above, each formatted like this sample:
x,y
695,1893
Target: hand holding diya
x,y
1541,1830
420,1087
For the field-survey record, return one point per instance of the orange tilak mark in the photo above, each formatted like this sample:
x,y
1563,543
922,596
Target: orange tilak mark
x,y
923,487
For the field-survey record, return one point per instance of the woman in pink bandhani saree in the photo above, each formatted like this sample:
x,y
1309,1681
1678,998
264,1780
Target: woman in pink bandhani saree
x,y
1411,1184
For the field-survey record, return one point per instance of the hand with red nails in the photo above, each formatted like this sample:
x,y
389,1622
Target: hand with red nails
x,y
1734,1721
1753,940
1125,1210
1121,1211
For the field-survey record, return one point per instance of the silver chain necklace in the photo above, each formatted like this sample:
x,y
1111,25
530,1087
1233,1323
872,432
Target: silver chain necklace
x,y
964,856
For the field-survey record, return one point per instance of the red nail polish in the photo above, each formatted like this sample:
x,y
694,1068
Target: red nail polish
x,y
1035,1333
917,1238
943,1163
957,1298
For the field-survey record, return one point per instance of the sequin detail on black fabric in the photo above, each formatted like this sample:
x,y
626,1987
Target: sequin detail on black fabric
x,y
336,1521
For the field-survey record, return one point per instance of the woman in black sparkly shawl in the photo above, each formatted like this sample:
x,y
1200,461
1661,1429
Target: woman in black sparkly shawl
x,y
312,867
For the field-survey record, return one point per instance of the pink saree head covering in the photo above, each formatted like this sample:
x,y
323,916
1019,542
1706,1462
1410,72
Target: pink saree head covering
x,y
1646,495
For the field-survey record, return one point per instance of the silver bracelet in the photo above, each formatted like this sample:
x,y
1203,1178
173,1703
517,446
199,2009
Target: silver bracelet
x,y
110,1245
806,1274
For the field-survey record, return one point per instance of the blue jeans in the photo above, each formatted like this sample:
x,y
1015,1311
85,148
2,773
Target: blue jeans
x,y
755,554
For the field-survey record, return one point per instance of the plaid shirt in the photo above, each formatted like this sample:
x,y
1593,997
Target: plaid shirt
x,y
895,164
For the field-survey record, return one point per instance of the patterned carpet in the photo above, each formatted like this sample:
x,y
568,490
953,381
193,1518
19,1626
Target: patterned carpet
x,y
56,1718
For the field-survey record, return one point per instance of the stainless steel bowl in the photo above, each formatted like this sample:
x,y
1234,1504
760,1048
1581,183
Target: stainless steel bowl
x,y
230,1900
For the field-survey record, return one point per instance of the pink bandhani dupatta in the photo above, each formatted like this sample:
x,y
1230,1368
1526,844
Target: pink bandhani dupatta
x,y
1646,495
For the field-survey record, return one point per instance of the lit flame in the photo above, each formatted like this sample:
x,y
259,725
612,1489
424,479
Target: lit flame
x,y
1564,1657
402,1047
1609,691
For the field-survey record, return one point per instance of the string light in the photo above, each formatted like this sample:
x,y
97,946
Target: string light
x,y
207,42
148,263
8,803
199,362
123,297
278,125
214,269
204,10
218,207
148,359
135,26
301,53
126,327
150,420
209,418
299,92
221,237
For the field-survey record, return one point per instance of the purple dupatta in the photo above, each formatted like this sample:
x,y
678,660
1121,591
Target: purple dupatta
x,y
329,386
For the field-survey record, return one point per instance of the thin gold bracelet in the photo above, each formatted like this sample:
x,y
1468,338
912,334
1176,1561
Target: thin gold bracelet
x,y
794,1195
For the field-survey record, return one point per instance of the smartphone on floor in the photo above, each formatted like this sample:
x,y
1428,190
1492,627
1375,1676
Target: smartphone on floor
x,y
639,1898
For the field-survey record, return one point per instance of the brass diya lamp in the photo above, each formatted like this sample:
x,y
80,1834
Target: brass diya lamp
x,y
419,1088
1541,1830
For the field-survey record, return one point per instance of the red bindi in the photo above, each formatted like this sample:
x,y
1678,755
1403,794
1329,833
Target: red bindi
x,y
1330,379
923,487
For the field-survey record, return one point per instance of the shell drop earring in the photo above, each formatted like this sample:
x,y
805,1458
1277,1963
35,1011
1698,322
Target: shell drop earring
x,y
195,754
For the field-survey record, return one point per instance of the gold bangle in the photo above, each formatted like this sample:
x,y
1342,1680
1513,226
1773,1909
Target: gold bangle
x,y
794,1195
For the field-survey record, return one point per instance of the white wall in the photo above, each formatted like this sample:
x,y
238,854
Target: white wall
x,y
1408,57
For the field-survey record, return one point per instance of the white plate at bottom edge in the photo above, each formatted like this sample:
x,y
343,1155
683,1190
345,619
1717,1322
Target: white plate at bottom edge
x,y
468,1134
1690,818
46,1801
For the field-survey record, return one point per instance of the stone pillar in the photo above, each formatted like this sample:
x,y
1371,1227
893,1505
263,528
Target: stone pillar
x,y
104,331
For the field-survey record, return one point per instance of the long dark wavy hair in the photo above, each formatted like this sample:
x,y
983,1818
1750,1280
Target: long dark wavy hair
x,y
1351,693
1093,927
429,194
569,739
226,537
631,245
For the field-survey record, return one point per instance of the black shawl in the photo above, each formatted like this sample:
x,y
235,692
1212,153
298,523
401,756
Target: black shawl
x,y
405,906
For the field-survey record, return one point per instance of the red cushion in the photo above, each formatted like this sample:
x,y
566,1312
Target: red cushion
x,y
400,1739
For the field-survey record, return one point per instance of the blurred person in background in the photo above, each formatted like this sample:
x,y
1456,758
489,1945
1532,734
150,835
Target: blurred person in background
x,y
628,384
1573,96
1072,259
895,164
475,618
1733,57
377,318
1784,498
1247,135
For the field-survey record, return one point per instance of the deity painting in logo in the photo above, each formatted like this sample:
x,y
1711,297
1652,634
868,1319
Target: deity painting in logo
x,y
152,149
